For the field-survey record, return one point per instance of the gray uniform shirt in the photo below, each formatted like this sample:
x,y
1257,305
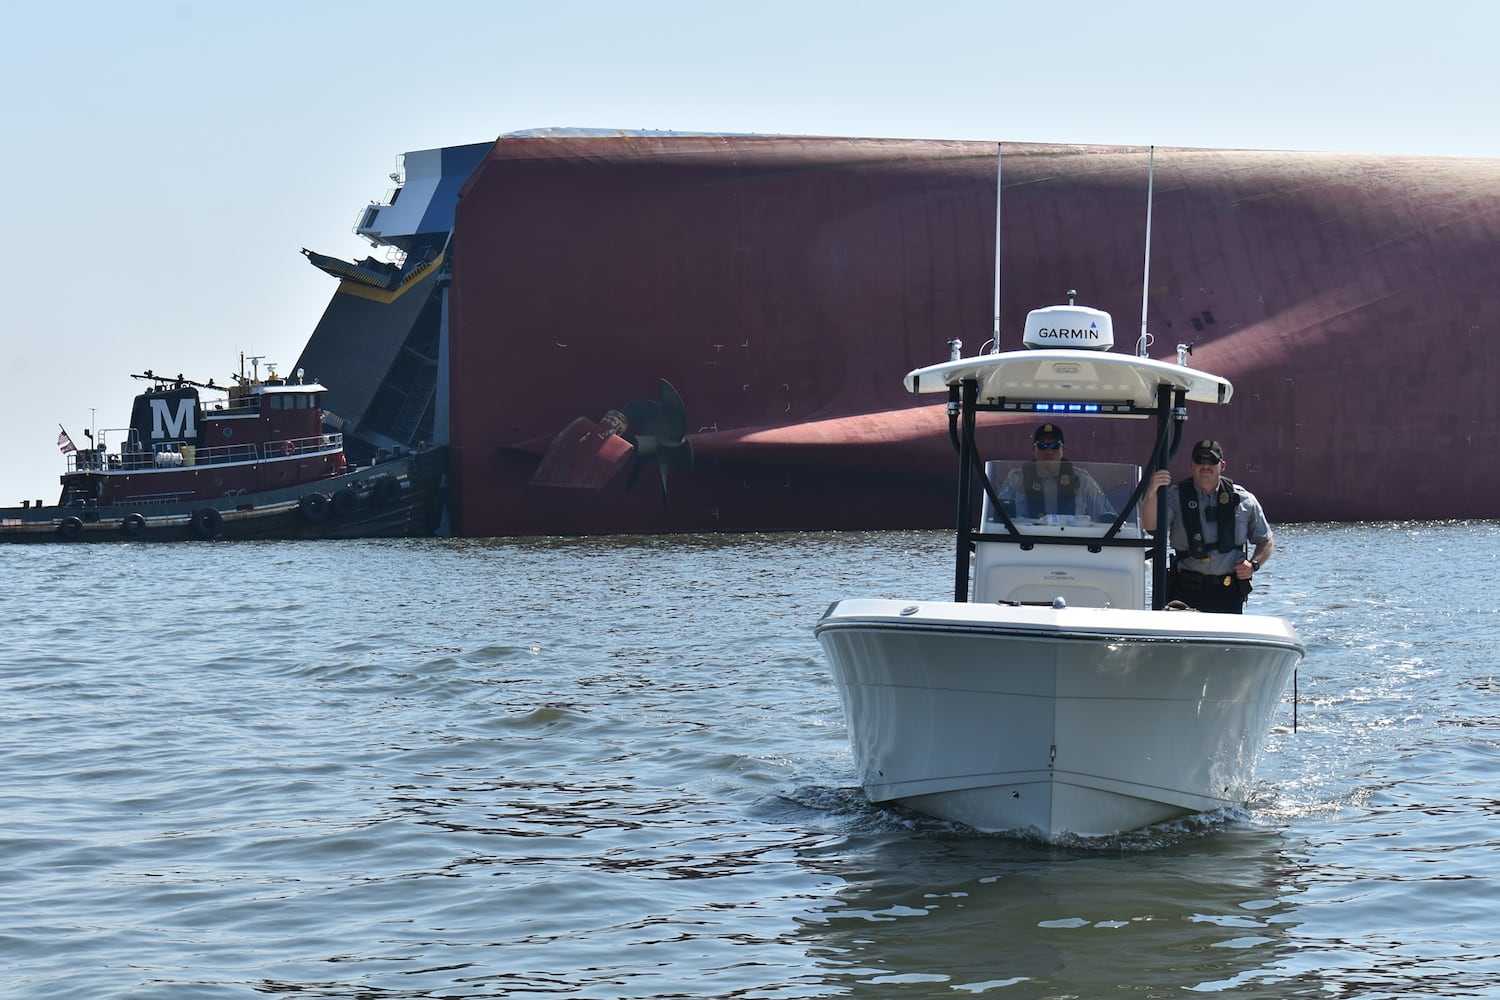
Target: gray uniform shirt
x,y
1250,526
1091,499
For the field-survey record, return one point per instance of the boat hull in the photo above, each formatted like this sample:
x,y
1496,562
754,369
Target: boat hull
x,y
398,497
1051,723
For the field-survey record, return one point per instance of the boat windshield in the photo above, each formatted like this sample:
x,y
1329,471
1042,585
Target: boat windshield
x,y
1060,494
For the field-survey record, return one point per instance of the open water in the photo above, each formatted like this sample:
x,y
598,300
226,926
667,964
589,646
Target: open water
x,y
617,768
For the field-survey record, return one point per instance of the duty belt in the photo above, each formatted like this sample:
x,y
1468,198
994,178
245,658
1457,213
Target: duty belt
x,y
1189,580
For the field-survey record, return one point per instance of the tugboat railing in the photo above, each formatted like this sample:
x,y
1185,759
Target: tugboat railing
x,y
180,454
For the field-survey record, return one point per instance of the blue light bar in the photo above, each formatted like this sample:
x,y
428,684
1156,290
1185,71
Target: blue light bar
x,y
1083,408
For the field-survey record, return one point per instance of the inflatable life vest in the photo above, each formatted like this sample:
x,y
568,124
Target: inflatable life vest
x,y
1036,499
1226,501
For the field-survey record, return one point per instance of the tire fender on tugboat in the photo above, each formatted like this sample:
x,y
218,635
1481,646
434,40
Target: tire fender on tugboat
x,y
207,522
133,525
346,502
71,527
386,490
314,506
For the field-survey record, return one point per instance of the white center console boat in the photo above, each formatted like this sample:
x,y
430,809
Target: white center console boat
x,y
1055,695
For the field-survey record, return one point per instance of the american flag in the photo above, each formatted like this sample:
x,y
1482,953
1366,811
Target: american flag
x,y
65,443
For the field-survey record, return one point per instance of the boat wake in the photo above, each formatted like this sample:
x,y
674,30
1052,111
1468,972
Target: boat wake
x,y
856,815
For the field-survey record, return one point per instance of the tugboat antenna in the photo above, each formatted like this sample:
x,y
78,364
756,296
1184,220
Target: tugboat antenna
x,y
161,380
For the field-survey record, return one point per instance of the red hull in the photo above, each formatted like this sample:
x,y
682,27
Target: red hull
x,y
785,285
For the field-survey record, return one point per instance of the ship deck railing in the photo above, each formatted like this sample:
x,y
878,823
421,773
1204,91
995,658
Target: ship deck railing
x,y
180,454
237,406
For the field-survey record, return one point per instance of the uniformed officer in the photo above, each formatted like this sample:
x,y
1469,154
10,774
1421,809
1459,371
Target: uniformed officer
x,y
1211,523
1050,484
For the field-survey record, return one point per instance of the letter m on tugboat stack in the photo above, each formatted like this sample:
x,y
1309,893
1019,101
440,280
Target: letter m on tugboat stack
x,y
174,415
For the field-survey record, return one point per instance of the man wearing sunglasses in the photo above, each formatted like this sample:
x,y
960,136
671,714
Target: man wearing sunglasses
x,y
1211,523
1050,484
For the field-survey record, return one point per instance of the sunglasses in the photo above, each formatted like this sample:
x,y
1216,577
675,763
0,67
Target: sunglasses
x,y
1049,445
1205,460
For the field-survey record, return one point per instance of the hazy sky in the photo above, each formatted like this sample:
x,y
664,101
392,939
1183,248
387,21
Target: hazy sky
x,y
165,161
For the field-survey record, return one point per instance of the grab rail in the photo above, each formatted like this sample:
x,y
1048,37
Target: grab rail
x,y
178,454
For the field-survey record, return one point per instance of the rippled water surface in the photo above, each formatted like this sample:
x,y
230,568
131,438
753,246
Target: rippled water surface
x,y
618,768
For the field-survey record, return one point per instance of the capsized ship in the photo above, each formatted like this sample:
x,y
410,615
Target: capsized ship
x,y
653,332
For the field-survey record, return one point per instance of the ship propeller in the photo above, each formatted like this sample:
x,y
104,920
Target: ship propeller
x,y
658,430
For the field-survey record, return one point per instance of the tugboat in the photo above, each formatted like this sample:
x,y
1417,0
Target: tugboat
x,y
248,460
